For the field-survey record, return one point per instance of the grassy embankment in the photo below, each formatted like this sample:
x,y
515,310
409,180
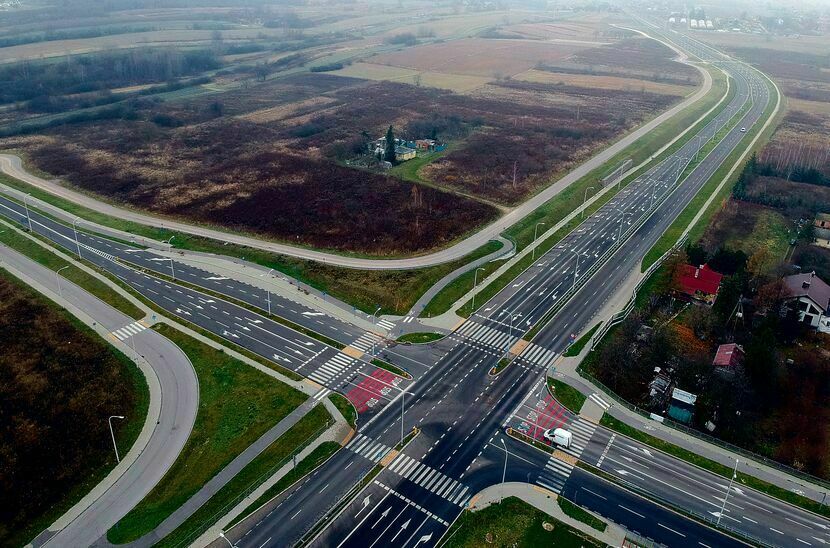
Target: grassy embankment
x,y
50,260
52,363
576,348
569,199
237,405
394,290
513,523
567,395
264,465
345,407
572,510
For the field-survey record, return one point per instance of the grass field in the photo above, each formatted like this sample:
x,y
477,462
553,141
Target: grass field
x,y
345,407
453,82
513,523
237,404
265,464
43,256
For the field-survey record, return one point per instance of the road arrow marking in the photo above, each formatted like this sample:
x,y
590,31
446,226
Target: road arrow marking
x,y
383,515
622,472
313,314
424,538
185,312
366,503
403,528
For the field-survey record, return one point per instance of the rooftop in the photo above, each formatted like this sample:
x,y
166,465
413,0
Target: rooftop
x,y
808,285
728,355
702,279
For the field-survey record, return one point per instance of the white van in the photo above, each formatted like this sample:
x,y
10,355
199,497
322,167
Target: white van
x,y
559,436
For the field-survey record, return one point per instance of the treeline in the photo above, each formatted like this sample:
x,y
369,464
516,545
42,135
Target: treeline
x,y
58,385
754,169
71,34
38,84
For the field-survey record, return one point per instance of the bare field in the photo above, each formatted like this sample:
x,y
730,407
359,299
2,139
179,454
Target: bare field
x,y
602,82
478,56
291,110
588,29
799,44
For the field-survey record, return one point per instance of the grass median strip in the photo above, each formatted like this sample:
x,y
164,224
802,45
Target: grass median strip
x,y
22,244
572,510
419,338
314,459
267,463
707,464
237,404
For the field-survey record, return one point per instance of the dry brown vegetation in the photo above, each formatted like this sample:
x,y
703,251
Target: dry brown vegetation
x,y
58,385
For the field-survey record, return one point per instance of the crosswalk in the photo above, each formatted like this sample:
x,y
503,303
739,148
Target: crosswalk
x,y
129,330
332,370
322,393
555,474
484,334
368,448
386,324
366,341
582,431
599,401
431,479
538,355
107,256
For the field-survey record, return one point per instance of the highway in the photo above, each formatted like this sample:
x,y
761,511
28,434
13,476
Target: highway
x,y
460,410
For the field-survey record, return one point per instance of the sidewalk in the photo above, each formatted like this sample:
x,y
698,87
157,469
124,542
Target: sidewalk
x,y
172,409
336,433
545,501
224,476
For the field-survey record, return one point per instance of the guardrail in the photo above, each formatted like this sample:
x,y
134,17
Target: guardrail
x,y
629,306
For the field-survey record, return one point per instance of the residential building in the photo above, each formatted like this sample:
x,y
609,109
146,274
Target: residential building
x,y
699,283
822,220
728,358
403,153
822,237
811,297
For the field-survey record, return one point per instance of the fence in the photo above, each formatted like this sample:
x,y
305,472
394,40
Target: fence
x,y
623,314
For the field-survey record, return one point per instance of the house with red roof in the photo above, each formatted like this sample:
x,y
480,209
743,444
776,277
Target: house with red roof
x,y
728,358
699,283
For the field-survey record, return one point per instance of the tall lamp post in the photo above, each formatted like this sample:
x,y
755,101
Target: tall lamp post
x,y
114,445
729,487
585,199
26,205
475,284
75,221
535,231
58,279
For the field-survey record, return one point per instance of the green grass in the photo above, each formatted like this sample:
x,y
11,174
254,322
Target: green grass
x,y
345,407
567,395
569,199
456,289
126,433
501,366
237,405
420,338
50,260
249,478
670,236
577,347
513,523
391,368
772,490
314,459
572,510
396,291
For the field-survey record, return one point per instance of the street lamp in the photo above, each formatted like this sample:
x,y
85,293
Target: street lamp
x,y
172,271
375,315
619,236
584,199
75,230
28,216
535,231
576,268
58,279
728,488
403,396
109,420
475,284
169,243
504,473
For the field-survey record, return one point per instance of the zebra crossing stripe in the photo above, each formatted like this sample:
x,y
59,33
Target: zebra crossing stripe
x,y
322,394
599,401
